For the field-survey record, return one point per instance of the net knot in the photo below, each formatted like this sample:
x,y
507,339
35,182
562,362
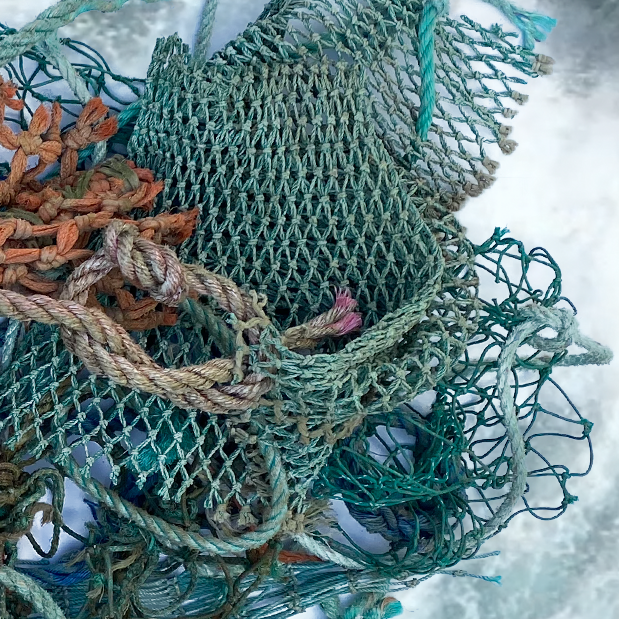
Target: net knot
x,y
151,267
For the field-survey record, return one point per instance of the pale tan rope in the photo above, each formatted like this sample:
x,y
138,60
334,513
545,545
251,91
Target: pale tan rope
x,y
107,349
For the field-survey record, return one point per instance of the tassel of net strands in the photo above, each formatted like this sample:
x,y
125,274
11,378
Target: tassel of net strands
x,y
534,27
107,349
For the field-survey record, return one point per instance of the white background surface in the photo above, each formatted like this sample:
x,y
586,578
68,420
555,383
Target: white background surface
x,y
560,190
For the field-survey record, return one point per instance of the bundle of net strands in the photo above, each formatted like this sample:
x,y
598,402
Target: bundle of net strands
x,y
315,339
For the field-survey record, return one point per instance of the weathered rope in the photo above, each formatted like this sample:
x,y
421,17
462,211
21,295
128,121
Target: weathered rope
x,y
107,349
173,536
205,29
320,549
47,23
537,317
31,592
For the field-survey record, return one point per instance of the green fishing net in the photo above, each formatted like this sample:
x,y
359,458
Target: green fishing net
x,y
298,143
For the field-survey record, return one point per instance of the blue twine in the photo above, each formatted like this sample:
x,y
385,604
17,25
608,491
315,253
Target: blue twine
x,y
533,26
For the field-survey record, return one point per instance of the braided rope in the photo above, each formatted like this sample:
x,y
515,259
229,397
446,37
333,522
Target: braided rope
x,y
31,592
173,536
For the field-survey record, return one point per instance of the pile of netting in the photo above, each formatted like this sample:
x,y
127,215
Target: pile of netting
x,y
241,289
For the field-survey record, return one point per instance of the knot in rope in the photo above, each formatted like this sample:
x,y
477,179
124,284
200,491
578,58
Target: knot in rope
x,y
153,268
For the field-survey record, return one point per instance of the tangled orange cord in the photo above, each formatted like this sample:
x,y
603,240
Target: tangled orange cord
x,y
47,225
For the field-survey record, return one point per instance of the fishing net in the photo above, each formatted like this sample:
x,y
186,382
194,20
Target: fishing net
x,y
327,284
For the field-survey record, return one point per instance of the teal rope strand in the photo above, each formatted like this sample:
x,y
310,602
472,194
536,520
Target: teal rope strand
x,y
172,536
205,30
48,22
41,601
432,10
224,337
533,26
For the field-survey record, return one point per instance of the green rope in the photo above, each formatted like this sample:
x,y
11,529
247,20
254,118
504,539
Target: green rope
x,y
205,29
173,536
41,601
432,10
48,22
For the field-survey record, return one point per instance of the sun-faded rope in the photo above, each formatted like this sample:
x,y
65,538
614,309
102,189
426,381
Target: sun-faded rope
x,y
48,22
537,317
173,536
52,49
205,29
107,349
32,593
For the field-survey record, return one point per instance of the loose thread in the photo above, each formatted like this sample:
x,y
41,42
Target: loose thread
x,y
533,26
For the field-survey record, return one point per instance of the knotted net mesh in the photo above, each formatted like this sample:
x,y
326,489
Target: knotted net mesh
x,y
297,145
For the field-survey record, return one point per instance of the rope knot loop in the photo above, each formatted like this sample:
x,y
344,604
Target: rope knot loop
x,y
151,267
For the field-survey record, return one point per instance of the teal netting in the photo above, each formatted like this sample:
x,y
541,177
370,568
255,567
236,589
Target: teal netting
x,y
299,146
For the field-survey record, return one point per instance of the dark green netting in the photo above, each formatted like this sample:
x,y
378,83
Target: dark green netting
x,y
428,478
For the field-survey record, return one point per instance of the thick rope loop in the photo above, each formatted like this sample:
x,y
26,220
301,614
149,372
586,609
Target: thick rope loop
x,y
173,536
106,348
537,318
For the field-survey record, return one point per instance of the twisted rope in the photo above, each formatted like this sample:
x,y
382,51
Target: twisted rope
x,y
107,349
205,29
537,317
432,10
173,536
31,592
